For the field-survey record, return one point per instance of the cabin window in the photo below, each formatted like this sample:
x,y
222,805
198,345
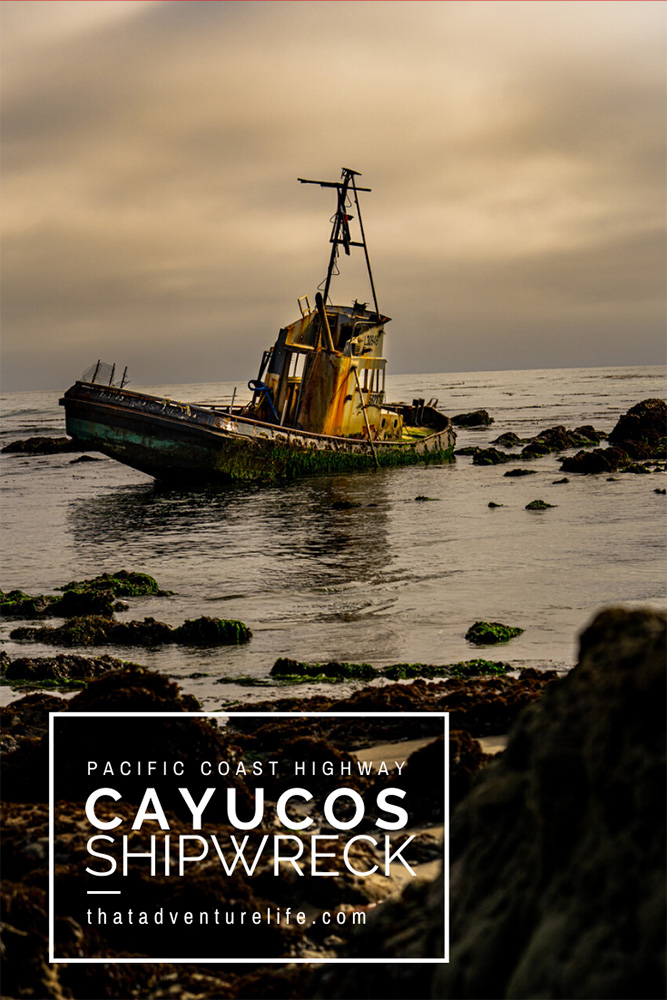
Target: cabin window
x,y
297,363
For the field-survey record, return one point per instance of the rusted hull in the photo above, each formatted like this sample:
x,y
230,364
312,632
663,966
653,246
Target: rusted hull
x,y
176,441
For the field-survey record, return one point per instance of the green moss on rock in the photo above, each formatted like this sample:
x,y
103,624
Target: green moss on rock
x,y
284,667
490,633
466,668
121,584
207,631
94,630
539,505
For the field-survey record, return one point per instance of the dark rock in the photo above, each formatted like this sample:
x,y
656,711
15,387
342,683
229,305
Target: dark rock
x,y
520,472
122,583
559,848
45,446
637,469
589,432
211,632
490,456
64,667
560,439
94,630
539,505
421,497
85,458
660,491
552,439
476,418
82,597
470,450
642,430
508,440
489,633
559,482
558,861
492,503
466,668
598,460
284,667
639,434
27,719
17,604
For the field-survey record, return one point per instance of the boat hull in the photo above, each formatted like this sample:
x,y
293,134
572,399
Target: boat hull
x,y
180,442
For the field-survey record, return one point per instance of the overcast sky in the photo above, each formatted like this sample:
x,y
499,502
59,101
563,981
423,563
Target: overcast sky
x,y
152,216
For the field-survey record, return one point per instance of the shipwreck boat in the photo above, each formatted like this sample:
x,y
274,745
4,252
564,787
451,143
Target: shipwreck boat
x,y
318,402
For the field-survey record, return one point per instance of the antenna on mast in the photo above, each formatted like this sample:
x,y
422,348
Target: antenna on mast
x,y
340,234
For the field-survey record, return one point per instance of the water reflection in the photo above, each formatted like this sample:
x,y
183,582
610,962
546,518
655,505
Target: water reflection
x,y
315,534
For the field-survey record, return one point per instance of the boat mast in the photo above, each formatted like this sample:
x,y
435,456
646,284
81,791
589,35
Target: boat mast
x,y
340,234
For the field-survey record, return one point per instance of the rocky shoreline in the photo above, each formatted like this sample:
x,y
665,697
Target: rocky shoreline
x,y
556,843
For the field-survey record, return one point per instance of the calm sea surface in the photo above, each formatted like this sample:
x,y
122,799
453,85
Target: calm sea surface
x,y
391,580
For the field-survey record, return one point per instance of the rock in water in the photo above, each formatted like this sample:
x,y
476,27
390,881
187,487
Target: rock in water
x,y
477,418
558,852
488,633
642,429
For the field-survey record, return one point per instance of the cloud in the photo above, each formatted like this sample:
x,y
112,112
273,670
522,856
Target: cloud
x,y
152,215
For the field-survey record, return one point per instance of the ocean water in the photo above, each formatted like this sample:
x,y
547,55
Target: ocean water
x,y
391,580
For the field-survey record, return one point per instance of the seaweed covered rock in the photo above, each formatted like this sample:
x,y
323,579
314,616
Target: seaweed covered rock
x,y
559,848
27,719
122,583
641,432
15,603
597,460
465,668
560,439
490,456
97,596
336,670
208,631
19,605
94,630
539,505
489,633
60,669
508,440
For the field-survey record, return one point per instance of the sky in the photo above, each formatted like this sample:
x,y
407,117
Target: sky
x,y
152,216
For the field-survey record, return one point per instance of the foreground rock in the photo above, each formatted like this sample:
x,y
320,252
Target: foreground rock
x,y
65,669
559,851
558,860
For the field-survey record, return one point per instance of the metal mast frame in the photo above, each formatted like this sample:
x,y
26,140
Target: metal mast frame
x,y
340,234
